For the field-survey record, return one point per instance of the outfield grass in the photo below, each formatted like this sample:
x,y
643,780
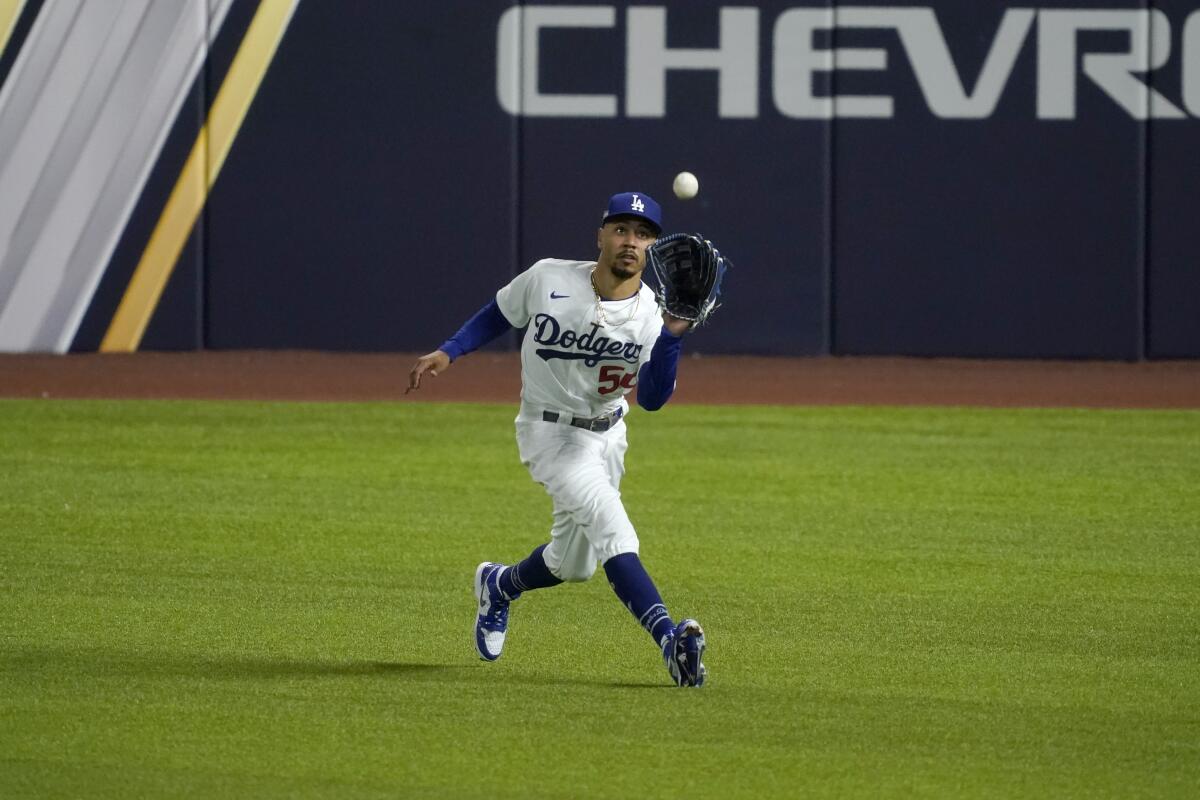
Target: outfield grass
x,y
256,600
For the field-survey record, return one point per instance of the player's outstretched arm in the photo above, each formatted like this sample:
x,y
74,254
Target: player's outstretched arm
x,y
656,378
434,363
488,323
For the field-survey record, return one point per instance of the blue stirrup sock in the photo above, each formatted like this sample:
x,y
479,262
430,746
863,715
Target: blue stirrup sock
x,y
636,590
532,573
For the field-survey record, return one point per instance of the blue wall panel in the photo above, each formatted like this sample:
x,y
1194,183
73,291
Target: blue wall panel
x,y
1007,236
1173,268
367,203
395,169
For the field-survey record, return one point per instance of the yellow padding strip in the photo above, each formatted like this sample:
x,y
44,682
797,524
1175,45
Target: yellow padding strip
x,y
199,174
9,11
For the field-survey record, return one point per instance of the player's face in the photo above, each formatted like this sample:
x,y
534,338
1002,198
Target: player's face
x,y
623,244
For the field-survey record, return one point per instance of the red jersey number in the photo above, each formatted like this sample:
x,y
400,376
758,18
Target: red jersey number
x,y
613,377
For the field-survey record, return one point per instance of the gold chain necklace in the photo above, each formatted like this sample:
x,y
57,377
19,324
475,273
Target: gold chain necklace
x,y
601,316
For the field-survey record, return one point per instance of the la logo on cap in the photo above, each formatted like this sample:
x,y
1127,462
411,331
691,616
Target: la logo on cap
x,y
626,204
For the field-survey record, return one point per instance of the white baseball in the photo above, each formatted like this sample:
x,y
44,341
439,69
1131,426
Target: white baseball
x,y
686,186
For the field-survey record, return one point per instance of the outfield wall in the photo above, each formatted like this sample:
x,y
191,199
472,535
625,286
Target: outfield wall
x,y
983,179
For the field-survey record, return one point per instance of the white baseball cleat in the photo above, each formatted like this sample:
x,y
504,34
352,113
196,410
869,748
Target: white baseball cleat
x,y
491,624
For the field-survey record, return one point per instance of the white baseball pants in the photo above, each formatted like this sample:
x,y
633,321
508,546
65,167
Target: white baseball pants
x,y
581,471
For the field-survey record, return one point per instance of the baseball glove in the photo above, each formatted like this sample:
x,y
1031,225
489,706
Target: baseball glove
x,y
688,270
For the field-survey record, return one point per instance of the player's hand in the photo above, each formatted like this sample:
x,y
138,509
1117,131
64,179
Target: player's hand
x,y
435,364
677,326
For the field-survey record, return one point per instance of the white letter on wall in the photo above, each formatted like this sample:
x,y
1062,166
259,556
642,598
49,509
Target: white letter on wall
x,y
796,60
1191,63
517,61
934,67
649,58
1149,48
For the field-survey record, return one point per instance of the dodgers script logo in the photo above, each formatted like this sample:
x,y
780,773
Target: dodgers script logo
x,y
587,347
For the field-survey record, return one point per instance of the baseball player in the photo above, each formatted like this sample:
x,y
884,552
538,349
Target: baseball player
x,y
594,332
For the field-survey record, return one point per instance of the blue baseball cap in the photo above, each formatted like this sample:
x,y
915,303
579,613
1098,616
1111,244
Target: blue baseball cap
x,y
634,204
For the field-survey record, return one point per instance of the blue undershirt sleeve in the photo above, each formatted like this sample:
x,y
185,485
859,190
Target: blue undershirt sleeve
x,y
656,378
488,323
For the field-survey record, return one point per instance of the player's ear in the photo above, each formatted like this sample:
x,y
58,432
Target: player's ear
x,y
600,238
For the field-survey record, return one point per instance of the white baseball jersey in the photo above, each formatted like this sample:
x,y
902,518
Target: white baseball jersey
x,y
580,355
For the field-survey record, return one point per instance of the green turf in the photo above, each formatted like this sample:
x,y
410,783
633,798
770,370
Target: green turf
x,y
257,600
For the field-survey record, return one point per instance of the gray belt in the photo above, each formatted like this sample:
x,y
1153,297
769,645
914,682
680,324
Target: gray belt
x,y
595,424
